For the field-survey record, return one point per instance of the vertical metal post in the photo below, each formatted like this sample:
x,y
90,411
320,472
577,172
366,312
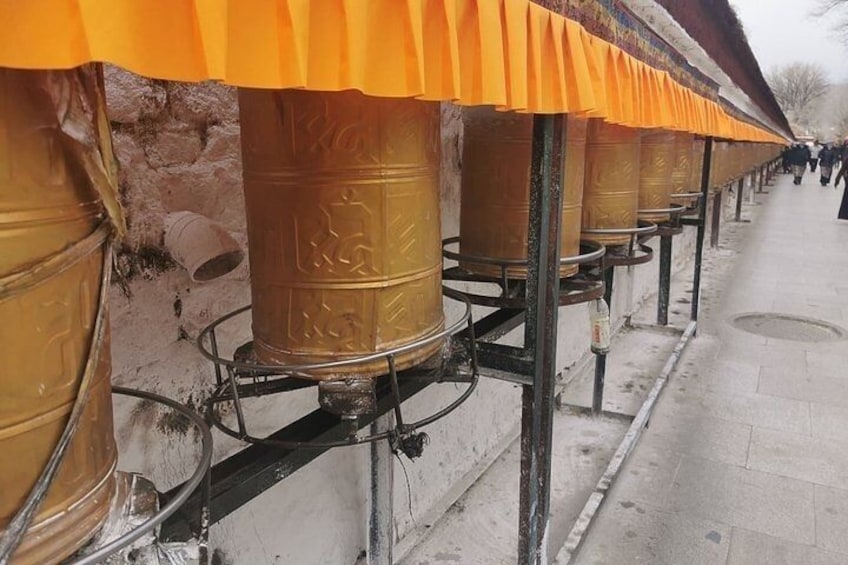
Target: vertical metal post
x,y
601,358
702,227
740,188
761,179
715,229
664,294
381,520
540,335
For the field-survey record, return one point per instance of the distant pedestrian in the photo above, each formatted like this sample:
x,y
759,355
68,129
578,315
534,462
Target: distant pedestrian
x,y
799,155
784,159
827,158
814,149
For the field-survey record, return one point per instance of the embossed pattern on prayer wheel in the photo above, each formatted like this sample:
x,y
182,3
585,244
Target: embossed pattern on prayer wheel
x,y
611,187
47,204
719,171
697,164
496,152
681,170
342,199
656,164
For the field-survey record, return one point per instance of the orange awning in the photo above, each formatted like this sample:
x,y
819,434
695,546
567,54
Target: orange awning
x,y
512,54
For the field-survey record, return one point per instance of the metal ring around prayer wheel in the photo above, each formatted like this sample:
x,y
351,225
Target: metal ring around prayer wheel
x,y
611,187
495,197
47,204
342,201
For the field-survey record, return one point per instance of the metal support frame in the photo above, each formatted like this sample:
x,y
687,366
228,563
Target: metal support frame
x,y
761,179
740,188
601,358
702,226
664,293
380,520
540,336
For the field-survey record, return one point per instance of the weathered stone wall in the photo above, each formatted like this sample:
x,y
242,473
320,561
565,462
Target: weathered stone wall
x,y
178,147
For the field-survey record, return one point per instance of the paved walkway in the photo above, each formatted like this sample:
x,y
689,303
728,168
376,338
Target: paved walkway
x,y
746,457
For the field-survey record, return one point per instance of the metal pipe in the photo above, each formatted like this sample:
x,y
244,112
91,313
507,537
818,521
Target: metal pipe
x,y
761,179
715,228
540,335
601,358
702,225
664,294
740,189
380,520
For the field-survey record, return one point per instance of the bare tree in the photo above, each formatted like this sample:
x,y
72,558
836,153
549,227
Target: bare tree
x,y
798,88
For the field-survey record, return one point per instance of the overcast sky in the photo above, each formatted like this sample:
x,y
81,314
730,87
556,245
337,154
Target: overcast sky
x,y
785,31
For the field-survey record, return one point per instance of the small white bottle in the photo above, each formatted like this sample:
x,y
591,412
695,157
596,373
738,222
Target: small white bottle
x,y
599,316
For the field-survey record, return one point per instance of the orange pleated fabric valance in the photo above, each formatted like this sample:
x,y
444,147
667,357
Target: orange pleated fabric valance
x,y
512,54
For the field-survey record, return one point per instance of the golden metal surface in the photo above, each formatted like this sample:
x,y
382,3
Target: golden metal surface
x,y
656,163
681,170
611,188
721,170
697,164
342,198
495,197
46,204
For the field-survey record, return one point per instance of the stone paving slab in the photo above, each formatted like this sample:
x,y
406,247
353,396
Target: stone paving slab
x,y
810,386
829,420
766,503
749,548
752,409
823,461
832,519
634,533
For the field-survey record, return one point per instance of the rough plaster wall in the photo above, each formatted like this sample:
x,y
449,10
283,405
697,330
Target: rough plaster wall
x,y
178,146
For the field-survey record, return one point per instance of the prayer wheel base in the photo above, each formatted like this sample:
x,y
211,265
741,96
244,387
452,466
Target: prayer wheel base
x,y
65,533
366,370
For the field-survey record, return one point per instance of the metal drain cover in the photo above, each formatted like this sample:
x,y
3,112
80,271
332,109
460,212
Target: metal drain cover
x,y
787,326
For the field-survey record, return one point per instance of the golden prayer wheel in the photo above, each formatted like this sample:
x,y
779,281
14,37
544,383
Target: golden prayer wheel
x,y
656,164
47,204
611,188
698,146
496,150
720,166
342,200
681,170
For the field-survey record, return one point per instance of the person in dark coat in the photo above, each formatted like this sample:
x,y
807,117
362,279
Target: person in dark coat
x,y
827,158
843,175
799,156
784,156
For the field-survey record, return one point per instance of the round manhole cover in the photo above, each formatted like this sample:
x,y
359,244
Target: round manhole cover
x,y
785,326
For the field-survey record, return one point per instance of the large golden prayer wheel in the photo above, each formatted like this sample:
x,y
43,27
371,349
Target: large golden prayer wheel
x,y
611,187
682,169
720,169
698,147
47,204
656,165
342,199
495,211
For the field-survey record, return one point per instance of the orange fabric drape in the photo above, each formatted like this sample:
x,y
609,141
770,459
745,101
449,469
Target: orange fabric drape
x,y
512,54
